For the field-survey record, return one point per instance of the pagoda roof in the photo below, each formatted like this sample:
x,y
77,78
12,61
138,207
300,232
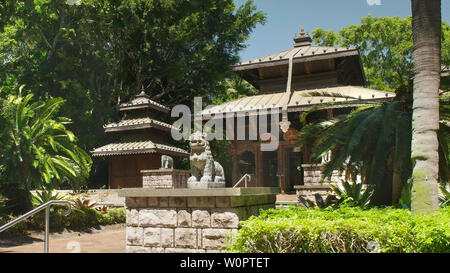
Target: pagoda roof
x,y
299,100
141,101
137,147
304,59
300,54
137,123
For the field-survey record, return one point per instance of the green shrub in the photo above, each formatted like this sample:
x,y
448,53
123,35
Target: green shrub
x,y
345,229
78,219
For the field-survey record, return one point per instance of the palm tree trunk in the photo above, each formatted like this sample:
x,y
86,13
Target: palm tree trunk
x,y
426,26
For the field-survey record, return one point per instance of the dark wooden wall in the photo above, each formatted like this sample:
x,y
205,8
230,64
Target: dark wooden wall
x,y
125,171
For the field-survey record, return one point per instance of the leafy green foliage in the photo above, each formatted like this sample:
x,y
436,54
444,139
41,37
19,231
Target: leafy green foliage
x,y
386,45
352,193
79,219
37,150
44,196
374,141
343,230
97,52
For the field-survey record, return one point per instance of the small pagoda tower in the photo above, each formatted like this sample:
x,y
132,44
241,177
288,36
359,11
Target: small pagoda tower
x,y
141,141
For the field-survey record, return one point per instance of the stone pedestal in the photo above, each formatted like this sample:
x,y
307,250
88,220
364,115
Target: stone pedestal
x,y
205,185
313,184
189,220
164,179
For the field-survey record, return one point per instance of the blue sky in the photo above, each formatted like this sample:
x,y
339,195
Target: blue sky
x,y
284,18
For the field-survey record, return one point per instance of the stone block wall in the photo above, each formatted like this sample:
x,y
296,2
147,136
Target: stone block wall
x,y
313,184
165,178
313,174
188,224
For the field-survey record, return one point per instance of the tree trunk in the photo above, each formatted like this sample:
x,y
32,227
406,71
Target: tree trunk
x,y
426,27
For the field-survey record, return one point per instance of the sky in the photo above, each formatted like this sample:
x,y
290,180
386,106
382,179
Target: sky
x,y
285,18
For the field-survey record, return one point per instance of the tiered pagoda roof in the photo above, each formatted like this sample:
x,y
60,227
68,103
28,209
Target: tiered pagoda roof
x,y
133,129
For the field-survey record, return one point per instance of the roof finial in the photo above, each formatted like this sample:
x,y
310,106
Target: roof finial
x,y
142,94
142,90
303,39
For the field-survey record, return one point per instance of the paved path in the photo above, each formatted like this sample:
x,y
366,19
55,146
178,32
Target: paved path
x,y
111,241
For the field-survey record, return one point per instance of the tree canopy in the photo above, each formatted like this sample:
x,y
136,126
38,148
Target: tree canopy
x,y
386,47
94,52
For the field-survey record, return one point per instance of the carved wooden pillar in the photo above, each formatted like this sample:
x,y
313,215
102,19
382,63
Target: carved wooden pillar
x,y
281,168
258,167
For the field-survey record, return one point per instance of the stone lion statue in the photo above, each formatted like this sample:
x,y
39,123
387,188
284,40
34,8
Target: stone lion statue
x,y
206,173
166,162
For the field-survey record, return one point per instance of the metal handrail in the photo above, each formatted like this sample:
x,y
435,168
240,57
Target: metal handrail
x,y
247,178
45,206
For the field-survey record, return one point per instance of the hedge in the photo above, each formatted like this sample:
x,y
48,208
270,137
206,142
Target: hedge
x,y
343,230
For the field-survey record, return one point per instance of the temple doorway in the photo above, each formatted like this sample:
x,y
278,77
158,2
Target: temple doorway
x,y
270,169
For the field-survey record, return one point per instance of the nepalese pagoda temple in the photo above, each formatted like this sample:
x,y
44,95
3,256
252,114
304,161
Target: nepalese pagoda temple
x,y
142,140
284,81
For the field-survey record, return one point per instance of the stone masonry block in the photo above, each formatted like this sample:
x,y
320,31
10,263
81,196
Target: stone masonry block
x,y
242,201
186,237
201,218
223,202
157,217
215,238
136,202
152,236
163,202
183,250
201,202
167,237
224,219
132,217
184,218
152,202
134,236
137,249
177,202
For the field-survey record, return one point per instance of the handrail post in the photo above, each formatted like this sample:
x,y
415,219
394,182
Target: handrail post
x,y
47,228
45,206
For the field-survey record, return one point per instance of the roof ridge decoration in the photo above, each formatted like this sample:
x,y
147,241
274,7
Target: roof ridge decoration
x,y
303,39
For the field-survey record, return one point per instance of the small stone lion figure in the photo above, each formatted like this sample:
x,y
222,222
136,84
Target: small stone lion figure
x,y
166,162
203,167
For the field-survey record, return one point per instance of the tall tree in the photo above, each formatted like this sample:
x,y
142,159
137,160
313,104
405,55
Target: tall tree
x,y
426,27
91,52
